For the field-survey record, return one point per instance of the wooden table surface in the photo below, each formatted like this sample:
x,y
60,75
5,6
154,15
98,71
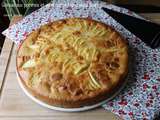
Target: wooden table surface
x,y
15,105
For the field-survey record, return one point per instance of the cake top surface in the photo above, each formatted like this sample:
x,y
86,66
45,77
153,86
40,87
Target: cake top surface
x,y
72,59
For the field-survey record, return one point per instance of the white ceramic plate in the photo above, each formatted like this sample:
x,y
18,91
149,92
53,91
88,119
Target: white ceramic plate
x,y
67,109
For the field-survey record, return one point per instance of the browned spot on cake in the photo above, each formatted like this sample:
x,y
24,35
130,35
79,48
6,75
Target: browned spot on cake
x,y
76,33
57,76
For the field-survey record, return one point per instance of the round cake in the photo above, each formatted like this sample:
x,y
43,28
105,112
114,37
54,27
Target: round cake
x,y
72,62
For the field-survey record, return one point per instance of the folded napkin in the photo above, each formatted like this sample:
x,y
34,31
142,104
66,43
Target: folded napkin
x,y
140,99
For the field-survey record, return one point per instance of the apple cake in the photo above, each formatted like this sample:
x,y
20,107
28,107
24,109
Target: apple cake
x,y
72,62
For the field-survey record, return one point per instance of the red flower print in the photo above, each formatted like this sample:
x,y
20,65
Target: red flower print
x,y
145,86
136,104
146,77
123,102
147,104
130,113
150,101
121,112
154,87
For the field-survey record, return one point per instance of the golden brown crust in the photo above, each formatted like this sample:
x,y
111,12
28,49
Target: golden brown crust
x,y
100,58
75,104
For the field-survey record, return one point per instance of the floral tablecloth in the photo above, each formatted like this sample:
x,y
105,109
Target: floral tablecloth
x,y
140,99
